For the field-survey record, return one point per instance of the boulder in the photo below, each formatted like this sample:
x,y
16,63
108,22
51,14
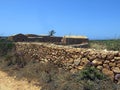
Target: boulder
x,y
103,55
80,67
106,66
71,61
118,65
110,56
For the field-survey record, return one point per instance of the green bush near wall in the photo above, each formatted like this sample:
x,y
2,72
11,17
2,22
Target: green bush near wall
x,y
5,46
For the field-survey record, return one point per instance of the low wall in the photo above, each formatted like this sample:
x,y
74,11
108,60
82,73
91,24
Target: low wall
x,y
72,59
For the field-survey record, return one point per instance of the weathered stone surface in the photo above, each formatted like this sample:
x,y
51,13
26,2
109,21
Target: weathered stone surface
x,y
84,61
119,54
116,53
118,65
112,64
80,67
108,73
97,62
73,70
106,61
99,67
117,76
77,62
116,70
106,66
117,58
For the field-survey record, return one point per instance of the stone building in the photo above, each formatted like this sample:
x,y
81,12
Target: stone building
x,y
69,40
75,41
18,38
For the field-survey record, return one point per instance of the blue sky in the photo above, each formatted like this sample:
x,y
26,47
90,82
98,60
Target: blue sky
x,y
97,19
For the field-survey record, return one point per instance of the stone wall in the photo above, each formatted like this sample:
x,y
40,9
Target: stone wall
x,y
72,59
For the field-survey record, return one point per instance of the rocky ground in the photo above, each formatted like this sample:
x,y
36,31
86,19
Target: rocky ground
x,y
10,83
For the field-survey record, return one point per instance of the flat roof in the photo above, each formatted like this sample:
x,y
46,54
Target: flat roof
x,y
76,37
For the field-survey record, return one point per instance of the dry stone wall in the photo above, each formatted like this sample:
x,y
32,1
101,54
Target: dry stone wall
x,y
72,59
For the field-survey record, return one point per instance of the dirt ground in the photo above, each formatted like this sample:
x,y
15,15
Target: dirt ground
x,y
10,83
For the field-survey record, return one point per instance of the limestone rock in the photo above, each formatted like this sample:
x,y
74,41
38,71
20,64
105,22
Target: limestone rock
x,y
84,61
110,56
118,65
103,55
77,62
112,64
71,61
116,70
97,62
106,61
73,70
91,57
116,53
99,67
112,60
117,58
80,67
106,66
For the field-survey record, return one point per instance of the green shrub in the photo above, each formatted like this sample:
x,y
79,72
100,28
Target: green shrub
x,y
92,79
5,46
89,73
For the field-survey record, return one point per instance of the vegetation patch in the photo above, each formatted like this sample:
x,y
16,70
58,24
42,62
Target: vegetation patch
x,y
113,44
5,46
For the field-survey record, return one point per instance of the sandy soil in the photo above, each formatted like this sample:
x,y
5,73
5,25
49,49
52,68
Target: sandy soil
x,y
10,83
